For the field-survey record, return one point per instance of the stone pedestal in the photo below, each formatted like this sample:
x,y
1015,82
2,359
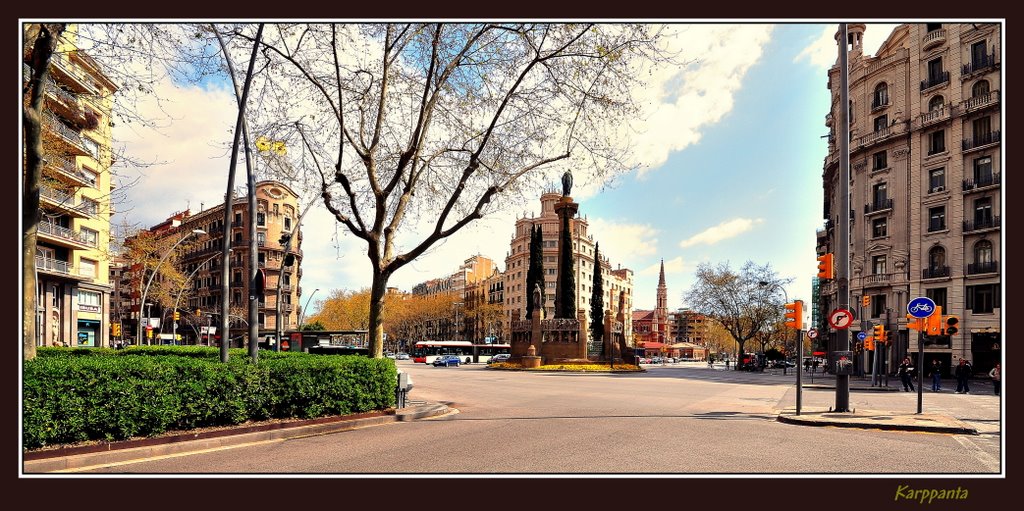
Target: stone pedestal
x,y
531,360
582,338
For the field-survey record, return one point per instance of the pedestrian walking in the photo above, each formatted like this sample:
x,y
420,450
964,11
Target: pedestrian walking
x,y
963,373
904,371
726,363
936,375
997,375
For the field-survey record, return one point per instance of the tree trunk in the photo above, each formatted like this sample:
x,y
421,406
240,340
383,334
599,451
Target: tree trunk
x,y
739,356
378,289
43,46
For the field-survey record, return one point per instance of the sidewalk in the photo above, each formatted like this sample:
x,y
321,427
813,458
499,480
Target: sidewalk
x,y
875,419
80,457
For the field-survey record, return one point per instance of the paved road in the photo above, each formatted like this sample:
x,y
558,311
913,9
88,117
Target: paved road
x,y
682,419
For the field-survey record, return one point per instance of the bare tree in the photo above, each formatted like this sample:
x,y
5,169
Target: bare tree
x,y
742,303
427,126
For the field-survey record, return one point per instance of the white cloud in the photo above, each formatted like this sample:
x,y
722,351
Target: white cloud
x,y
671,266
623,243
823,52
680,101
724,230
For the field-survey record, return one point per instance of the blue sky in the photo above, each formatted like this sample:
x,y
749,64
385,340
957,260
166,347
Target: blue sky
x,y
732,155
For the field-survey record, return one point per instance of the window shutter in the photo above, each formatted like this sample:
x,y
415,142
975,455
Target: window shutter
x,y
970,298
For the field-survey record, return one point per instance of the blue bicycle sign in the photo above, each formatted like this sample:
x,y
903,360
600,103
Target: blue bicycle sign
x,y
921,307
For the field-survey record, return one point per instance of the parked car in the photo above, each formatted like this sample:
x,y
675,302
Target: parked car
x,y
447,360
402,356
500,357
390,355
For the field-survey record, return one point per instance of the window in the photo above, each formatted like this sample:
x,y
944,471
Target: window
x,y
87,267
276,210
983,169
878,306
936,104
92,146
982,130
938,295
878,227
287,223
937,180
879,195
881,95
937,142
983,299
931,27
261,218
262,320
936,259
937,218
983,253
979,58
878,265
89,206
91,177
881,122
238,219
261,238
983,212
935,71
879,161
980,89
90,236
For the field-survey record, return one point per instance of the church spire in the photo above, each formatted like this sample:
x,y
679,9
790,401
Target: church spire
x,y
661,279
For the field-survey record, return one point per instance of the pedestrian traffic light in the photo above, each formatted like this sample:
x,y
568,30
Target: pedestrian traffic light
x,y
865,300
935,322
795,315
951,325
825,268
177,316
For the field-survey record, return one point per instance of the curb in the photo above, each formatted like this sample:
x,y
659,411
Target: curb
x,y
817,386
55,460
956,430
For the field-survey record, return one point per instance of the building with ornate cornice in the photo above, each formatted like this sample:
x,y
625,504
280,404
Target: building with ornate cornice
x,y
925,186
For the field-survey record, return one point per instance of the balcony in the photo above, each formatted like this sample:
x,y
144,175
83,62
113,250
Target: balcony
x,y
936,226
878,206
878,136
55,266
877,280
984,63
937,115
287,288
980,268
937,272
70,138
64,102
978,142
981,224
237,224
238,283
237,264
69,74
981,183
933,39
64,236
240,243
877,102
935,81
63,201
979,102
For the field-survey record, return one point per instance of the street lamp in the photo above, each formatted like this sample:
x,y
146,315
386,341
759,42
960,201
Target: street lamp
x,y
302,313
196,232
775,285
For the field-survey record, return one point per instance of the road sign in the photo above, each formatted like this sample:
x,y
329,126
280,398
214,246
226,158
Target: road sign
x,y
861,336
840,319
812,333
921,307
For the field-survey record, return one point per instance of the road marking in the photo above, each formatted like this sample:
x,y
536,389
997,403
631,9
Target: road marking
x,y
990,462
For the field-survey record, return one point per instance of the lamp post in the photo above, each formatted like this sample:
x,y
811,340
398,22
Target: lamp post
x,y
196,232
174,324
302,313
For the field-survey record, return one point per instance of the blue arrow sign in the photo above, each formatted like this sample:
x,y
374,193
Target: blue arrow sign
x,y
921,307
861,336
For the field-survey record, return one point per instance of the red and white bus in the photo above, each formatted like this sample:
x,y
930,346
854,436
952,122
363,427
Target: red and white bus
x,y
426,351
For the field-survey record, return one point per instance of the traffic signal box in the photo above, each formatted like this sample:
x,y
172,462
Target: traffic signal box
x,y
877,337
825,267
952,325
177,316
115,329
865,300
199,312
794,315
934,323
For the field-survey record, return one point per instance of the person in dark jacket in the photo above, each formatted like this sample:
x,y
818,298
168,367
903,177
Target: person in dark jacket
x,y
963,374
936,375
905,370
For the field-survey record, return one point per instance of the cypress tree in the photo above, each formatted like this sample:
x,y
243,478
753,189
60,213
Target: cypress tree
x,y
565,305
597,299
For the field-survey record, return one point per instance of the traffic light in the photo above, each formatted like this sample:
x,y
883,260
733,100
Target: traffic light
x,y
951,325
869,343
934,322
877,334
177,316
795,315
115,329
285,238
865,300
289,259
199,312
914,323
825,268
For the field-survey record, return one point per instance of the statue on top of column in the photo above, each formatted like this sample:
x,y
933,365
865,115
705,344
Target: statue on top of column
x,y
566,183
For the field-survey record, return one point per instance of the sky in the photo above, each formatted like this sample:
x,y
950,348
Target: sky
x,y
730,144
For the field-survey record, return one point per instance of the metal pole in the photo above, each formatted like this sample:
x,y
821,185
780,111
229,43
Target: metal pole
x,y
302,313
920,365
843,255
150,282
278,331
799,358
174,328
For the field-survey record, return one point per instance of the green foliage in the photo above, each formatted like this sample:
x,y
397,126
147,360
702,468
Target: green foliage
x,y
314,326
597,299
565,304
76,395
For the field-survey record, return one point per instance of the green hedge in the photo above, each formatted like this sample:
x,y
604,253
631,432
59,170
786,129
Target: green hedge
x,y
71,396
178,351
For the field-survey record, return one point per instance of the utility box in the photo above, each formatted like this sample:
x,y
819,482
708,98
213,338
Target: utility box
x,y
404,386
843,362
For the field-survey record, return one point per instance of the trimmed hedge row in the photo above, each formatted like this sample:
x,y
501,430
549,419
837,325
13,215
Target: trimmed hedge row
x,y
178,351
73,397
